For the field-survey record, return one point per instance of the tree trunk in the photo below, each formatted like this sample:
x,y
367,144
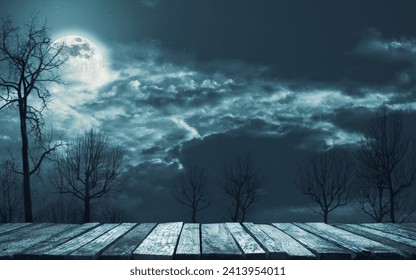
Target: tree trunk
x,y
87,210
27,200
325,217
236,212
243,215
392,206
193,216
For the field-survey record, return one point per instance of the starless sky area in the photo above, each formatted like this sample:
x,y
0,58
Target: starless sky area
x,y
193,82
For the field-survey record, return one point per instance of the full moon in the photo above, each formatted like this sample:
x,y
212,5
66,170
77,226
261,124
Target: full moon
x,y
84,62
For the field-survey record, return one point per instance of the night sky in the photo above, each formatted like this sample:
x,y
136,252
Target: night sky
x,y
195,82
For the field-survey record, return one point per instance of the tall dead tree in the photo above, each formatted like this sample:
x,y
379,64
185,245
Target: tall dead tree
x,y
387,167
242,183
10,192
28,63
325,178
192,191
89,169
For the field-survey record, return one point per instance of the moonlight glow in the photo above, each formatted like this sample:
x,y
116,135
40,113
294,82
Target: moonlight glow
x,y
85,62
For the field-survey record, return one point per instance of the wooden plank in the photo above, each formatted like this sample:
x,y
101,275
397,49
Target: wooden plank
x,y
36,251
272,248
160,243
21,232
363,248
218,243
408,226
11,226
61,251
398,242
93,249
293,248
251,249
388,228
388,235
12,248
124,247
322,248
189,245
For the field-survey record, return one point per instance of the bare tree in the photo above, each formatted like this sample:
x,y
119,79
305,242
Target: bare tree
x,y
112,213
242,183
10,193
387,167
372,199
32,62
89,169
325,178
60,210
192,191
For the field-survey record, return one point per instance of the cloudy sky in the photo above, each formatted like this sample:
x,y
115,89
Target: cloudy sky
x,y
194,82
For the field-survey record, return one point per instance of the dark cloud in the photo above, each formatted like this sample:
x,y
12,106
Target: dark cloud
x,y
391,50
195,82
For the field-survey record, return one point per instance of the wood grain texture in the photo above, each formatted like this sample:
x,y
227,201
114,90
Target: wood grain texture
x,y
11,226
321,247
93,249
218,243
189,245
363,248
21,232
391,240
37,251
160,243
388,228
250,248
15,245
293,248
408,226
124,247
207,241
61,251
272,248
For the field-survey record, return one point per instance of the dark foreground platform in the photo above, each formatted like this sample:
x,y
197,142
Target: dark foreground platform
x,y
207,241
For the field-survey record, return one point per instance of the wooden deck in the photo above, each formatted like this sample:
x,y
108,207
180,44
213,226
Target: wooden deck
x,y
207,241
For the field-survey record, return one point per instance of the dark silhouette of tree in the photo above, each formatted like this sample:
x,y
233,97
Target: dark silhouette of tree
x,y
325,178
89,169
192,191
112,213
61,210
386,168
32,62
243,184
10,193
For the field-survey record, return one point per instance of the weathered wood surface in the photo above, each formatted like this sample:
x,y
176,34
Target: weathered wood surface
x,y
207,241
38,250
18,243
388,228
364,248
290,246
189,246
92,249
9,227
160,243
273,250
411,227
124,247
218,243
61,251
321,247
405,245
250,248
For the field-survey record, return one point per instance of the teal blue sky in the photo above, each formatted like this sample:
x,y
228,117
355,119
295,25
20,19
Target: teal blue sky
x,y
193,82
